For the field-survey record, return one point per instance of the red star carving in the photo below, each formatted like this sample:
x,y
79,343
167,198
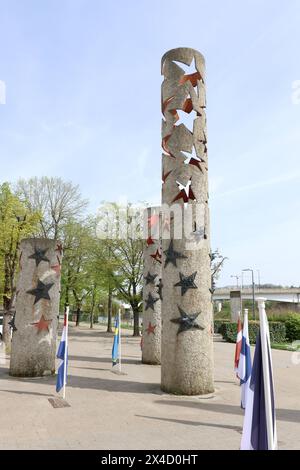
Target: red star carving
x,y
150,241
151,328
156,256
42,324
56,269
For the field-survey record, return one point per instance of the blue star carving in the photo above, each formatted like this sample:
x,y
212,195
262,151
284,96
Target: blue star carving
x,y
41,291
150,278
187,321
39,256
172,255
186,282
150,301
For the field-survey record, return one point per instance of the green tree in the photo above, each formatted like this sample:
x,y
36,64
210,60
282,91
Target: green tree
x,y
16,222
121,227
56,201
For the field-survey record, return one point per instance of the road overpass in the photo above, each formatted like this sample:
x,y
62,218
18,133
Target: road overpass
x,y
289,295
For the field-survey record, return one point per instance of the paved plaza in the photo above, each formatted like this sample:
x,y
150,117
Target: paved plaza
x,y
110,411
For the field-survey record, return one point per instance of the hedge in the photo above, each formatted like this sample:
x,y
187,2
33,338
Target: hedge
x,y
292,325
229,331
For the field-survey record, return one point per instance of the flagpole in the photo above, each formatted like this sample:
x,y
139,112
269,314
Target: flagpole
x,y
66,351
120,343
266,372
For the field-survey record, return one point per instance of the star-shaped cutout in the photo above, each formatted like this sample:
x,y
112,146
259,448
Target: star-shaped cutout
x,y
193,159
160,288
42,324
150,301
150,278
41,291
39,256
199,234
186,321
151,328
190,72
185,192
156,256
12,323
186,282
172,255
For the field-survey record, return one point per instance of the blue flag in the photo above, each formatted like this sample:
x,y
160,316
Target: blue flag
x,y
244,367
115,348
255,430
62,354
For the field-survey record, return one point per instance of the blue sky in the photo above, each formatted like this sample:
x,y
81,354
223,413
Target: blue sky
x,y
83,102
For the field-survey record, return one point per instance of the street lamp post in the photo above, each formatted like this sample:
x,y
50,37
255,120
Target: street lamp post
x,y
253,291
237,279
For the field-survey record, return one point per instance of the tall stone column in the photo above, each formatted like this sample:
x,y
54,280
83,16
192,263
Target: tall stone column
x,y
187,346
37,308
235,304
152,290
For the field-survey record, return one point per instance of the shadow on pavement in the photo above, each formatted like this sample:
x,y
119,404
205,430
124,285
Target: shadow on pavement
x,y
28,393
102,359
292,416
194,423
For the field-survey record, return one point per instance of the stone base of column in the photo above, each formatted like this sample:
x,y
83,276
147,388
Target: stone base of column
x,y
37,308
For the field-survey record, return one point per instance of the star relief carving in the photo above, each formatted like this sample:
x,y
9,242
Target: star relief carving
x,y
39,255
156,256
42,324
41,291
150,301
186,321
150,278
186,282
151,328
172,255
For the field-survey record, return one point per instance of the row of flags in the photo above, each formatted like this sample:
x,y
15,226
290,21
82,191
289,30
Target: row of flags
x,y
116,349
257,389
62,353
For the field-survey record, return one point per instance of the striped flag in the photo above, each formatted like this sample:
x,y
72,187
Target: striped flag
x,y
259,430
244,367
115,348
62,354
238,346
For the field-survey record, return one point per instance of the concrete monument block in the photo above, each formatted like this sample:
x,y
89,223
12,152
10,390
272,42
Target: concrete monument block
x,y
187,343
235,304
152,290
37,309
